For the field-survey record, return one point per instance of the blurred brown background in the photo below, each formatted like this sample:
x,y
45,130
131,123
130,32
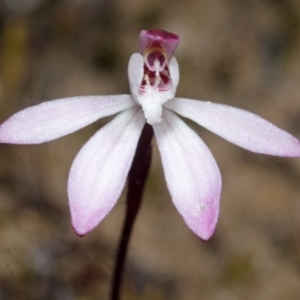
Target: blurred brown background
x,y
242,53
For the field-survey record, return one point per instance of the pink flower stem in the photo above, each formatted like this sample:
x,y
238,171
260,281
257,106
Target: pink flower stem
x,y
136,182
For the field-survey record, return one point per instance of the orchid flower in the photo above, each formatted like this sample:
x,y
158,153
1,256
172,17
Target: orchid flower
x,y
99,171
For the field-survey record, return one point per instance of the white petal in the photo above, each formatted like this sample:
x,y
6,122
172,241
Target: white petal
x,y
238,126
174,73
53,119
192,175
99,171
135,73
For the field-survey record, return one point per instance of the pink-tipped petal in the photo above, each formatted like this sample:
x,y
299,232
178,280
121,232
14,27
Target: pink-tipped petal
x,y
99,171
167,40
53,119
192,175
238,126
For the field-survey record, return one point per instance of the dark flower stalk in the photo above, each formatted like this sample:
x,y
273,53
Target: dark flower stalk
x,y
136,182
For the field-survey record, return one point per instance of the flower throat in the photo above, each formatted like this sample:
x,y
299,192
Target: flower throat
x,y
156,70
